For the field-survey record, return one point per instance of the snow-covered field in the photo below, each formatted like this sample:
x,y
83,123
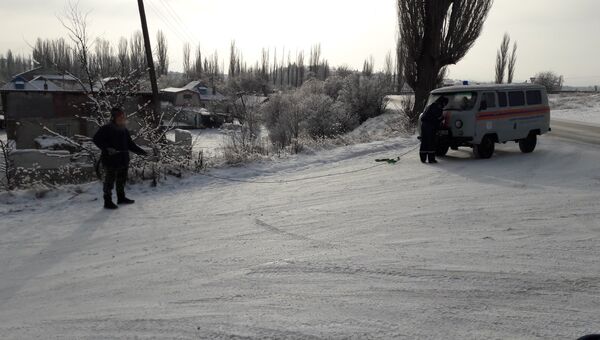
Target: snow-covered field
x,y
209,141
505,248
582,107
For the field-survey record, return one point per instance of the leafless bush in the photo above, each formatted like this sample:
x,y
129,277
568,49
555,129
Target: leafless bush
x,y
245,144
7,170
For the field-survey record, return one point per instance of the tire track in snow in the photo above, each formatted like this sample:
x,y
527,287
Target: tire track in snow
x,y
293,236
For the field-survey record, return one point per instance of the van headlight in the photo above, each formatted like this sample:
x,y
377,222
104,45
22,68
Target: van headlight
x,y
458,124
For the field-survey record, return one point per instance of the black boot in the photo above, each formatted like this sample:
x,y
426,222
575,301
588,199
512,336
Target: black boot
x,y
109,204
423,157
432,158
124,200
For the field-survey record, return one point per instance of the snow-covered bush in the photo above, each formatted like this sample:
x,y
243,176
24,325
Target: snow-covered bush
x,y
323,109
366,96
333,86
550,80
244,144
283,118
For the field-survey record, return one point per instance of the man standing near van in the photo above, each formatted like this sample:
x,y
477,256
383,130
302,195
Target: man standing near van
x,y
115,142
431,122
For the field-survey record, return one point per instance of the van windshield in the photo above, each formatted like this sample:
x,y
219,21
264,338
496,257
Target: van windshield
x,y
457,101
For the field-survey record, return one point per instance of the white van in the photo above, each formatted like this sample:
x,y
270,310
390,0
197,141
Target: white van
x,y
479,116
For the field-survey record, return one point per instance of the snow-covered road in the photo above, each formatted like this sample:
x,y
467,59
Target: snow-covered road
x,y
576,131
506,248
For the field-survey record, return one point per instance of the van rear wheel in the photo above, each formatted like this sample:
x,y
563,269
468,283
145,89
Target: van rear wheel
x,y
486,149
528,144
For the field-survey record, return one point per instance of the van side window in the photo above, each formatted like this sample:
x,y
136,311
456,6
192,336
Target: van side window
x,y
490,99
516,98
534,97
502,99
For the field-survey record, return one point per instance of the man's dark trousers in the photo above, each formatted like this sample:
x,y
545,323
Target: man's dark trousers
x,y
114,176
428,142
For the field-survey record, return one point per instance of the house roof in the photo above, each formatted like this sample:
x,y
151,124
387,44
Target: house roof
x,y
175,89
34,85
39,71
63,77
36,79
194,86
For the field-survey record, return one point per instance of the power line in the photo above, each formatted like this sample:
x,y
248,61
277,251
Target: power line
x,y
177,19
166,21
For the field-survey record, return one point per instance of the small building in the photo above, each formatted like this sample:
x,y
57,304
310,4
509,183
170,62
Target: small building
x,y
193,94
38,100
195,105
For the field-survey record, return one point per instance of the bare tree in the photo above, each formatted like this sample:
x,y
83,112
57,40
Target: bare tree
x,y
75,22
435,34
162,54
233,60
104,58
388,68
512,63
368,67
198,63
502,59
136,52
400,63
299,70
123,56
186,59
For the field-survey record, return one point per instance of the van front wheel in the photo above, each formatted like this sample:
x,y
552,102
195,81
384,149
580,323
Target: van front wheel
x,y
528,144
486,149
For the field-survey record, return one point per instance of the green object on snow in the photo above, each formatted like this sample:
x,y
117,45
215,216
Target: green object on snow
x,y
388,160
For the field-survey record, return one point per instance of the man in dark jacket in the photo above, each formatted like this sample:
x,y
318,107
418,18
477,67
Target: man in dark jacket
x,y
431,121
115,142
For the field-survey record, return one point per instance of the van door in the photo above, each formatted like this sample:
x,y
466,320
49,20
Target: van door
x,y
485,122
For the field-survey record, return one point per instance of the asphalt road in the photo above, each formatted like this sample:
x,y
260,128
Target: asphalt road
x,y
576,131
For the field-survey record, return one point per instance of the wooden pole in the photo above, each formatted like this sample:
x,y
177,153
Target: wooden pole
x,y
150,60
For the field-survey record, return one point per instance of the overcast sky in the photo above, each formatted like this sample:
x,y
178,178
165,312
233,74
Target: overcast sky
x,y
558,35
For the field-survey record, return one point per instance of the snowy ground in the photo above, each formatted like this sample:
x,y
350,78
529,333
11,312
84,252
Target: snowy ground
x,y
209,141
505,248
582,107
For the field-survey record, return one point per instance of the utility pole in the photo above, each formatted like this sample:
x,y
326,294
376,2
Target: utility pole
x,y
150,60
